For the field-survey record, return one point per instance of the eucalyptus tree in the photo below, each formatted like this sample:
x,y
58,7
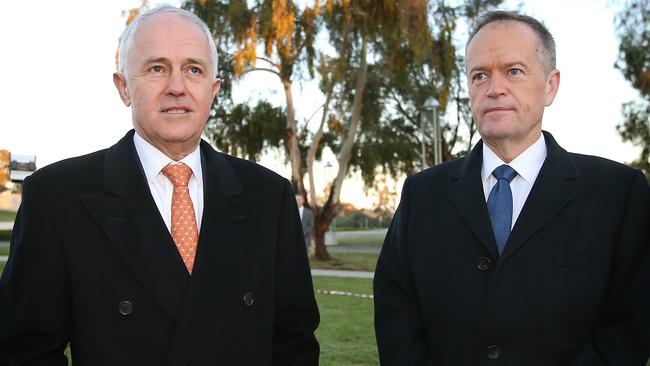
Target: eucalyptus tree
x,y
633,27
375,61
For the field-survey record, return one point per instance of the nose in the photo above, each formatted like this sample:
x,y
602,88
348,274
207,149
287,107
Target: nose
x,y
496,86
175,84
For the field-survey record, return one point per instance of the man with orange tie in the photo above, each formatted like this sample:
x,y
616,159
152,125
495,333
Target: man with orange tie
x,y
159,250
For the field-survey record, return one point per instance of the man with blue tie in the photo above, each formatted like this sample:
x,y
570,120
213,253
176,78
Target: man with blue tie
x,y
519,253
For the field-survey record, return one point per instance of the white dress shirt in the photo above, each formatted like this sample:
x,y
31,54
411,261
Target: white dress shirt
x,y
153,161
527,165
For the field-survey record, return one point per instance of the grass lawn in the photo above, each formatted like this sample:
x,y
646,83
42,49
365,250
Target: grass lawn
x,y
346,333
7,215
4,251
360,241
347,261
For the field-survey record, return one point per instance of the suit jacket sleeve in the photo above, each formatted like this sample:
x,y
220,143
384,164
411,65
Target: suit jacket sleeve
x,y
623,335
296,313
400,336
33,308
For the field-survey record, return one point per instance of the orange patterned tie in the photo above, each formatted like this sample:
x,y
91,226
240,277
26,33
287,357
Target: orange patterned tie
x,y
184,231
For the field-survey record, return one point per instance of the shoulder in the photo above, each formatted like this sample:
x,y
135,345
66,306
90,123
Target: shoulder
x,y
598,168
71,170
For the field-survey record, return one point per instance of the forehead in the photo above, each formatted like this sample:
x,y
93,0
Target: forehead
x,y
165,33
506,41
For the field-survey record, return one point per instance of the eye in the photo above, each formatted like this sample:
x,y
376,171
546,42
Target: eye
x,y
195,70
156,69
479,76
514,71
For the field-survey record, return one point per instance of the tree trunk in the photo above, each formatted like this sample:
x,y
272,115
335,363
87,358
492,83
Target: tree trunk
x,y
322,221
325,215
291,139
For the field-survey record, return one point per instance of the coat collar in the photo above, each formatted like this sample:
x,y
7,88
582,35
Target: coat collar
x,y
553,188
129,217
551,191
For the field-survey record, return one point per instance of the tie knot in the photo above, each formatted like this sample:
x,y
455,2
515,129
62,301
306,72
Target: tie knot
x,y
504,172
179,174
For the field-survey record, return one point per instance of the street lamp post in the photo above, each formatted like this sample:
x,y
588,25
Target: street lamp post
x,y
431,107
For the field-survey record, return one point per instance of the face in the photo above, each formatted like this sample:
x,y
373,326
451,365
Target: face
x,y
170,84
508,85
299,200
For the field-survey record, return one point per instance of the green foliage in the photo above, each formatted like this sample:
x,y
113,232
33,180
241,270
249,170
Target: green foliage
x,y
633,28
244,131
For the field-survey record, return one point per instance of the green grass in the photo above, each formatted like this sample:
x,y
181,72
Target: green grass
x,y
4,251
347,261
360,241
7,215
346,331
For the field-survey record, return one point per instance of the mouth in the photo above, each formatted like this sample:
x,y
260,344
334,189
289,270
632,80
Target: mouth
x,y
176,109
498,109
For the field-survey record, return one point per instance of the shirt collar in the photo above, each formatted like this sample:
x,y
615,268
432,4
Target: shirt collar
x,y
153,160
527,164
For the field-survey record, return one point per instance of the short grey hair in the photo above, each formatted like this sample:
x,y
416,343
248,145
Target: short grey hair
x,y
126,39
545,38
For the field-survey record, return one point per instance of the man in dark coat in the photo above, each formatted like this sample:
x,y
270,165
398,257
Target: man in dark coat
x,y
159,250
519,253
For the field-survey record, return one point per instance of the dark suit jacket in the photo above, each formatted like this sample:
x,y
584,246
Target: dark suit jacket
x,y
571,287
307,224
93,263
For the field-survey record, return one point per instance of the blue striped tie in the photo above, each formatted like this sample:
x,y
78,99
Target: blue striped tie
x,y
499,205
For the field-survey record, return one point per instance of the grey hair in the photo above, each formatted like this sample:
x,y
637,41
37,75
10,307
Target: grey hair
x,y
545,38
126,39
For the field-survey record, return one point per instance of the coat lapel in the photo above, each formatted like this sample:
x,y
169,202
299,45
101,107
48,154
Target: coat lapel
x,y
467,194
551,191
226,220
129,217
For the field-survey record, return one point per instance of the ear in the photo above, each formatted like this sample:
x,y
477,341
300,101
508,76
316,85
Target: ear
x,y
552,85
216,87
120,84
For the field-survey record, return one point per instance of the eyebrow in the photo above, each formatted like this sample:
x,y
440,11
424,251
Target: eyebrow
x,y
506,66
165,60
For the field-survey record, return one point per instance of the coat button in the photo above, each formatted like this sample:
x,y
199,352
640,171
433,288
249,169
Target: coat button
x,y
483,263
125,307
492,352
248,299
